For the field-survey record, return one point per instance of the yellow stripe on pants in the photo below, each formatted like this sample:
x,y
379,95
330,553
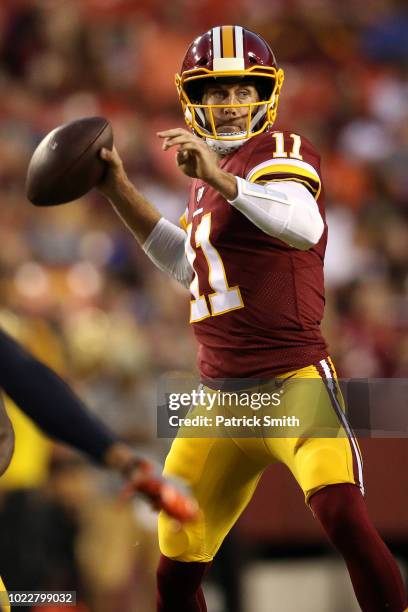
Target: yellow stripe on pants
x,y
4,601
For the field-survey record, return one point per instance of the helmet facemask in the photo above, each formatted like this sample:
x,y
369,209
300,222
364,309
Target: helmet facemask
x,y
200,117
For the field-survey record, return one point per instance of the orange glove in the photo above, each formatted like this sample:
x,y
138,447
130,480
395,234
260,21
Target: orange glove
x,y
169,495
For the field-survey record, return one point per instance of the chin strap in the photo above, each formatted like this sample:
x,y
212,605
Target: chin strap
x,y
223,147
258,116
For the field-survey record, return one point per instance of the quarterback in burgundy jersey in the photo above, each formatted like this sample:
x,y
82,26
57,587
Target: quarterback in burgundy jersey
x,y
274,304
251,253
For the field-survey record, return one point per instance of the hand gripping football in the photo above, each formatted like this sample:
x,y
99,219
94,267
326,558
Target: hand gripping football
x,y
66,163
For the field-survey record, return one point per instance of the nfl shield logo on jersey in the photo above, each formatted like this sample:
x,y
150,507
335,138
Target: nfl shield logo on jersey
x,y
199,193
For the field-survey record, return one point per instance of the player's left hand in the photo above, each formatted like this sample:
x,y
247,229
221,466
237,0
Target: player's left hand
x,y
165,494
194,157
144,477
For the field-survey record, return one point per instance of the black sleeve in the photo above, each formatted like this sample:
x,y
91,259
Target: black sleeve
x,y
44,397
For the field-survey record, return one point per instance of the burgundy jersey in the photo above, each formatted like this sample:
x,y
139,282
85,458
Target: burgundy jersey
x,y
257,303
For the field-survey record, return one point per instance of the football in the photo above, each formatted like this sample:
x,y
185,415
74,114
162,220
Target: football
x,y
66,163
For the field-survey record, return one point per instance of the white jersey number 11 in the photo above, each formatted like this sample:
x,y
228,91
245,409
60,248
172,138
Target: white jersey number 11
x,y
224,298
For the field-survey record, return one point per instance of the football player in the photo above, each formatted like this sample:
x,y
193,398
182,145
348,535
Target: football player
x,y
44,397
251,251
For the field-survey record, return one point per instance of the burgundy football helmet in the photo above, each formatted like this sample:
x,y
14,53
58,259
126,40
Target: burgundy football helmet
x,y
227,54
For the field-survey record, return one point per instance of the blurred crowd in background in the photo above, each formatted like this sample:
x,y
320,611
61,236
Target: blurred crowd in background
x,y
75,287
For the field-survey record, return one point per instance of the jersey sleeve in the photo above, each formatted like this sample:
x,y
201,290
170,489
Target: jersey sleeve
x,y
285,156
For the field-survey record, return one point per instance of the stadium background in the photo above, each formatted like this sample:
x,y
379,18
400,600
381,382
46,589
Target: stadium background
x,y
76,289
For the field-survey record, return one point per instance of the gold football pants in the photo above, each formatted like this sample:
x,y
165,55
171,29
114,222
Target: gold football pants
x,y
223,469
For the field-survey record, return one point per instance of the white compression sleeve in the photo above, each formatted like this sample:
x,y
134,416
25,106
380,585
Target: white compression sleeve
x,y
165,247
285,210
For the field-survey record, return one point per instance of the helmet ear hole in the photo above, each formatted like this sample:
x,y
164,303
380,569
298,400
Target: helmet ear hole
x,y
264,87
194,91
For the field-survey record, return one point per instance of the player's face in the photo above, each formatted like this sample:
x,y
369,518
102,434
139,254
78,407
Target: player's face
x,y
229,119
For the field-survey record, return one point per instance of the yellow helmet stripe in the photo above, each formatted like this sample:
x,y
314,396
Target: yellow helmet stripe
x,y
228,41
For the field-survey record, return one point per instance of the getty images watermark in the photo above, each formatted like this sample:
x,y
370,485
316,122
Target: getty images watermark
x,y
233,400
208,412
209,399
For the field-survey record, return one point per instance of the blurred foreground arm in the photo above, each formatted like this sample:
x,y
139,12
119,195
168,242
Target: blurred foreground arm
x,y
44,397
6,439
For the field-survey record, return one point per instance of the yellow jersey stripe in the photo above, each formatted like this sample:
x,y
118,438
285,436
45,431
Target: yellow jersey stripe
x,y
292,178
227,41
309,177
183,221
